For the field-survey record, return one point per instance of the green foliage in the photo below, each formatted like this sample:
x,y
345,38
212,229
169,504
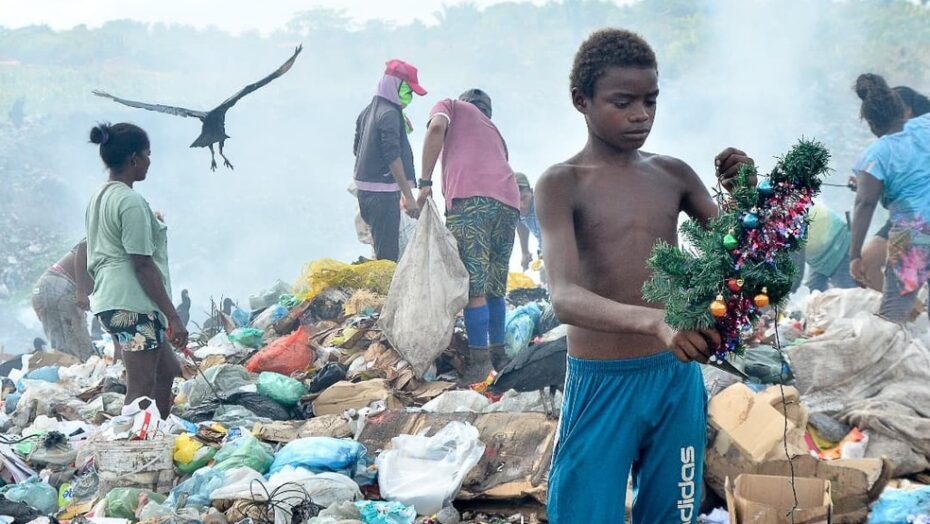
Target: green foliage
x,y
687,280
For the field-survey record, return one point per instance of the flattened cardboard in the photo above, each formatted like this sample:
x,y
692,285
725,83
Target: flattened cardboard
x,y
347,395
768,499
518,449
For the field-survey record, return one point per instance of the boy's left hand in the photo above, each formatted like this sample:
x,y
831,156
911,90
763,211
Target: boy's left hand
x,y
728,163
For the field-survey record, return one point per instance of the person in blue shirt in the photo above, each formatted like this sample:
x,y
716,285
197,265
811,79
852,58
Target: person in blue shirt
x,y
528,223
895,170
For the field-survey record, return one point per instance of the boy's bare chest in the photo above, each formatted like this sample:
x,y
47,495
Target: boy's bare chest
x,y
613,212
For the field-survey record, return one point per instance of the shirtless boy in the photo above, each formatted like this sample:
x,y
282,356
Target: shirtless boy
x,y
634,396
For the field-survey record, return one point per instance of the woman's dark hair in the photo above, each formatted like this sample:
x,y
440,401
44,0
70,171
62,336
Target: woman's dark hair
x,y
919,104
881,107
118,142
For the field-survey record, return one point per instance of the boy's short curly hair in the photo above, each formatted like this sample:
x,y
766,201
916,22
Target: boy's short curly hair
x,y
608,48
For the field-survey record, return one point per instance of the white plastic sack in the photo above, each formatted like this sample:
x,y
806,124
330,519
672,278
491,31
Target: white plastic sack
x,y
823,309
429,288
325,489
513,401
236,484
872,374
458,401
427,472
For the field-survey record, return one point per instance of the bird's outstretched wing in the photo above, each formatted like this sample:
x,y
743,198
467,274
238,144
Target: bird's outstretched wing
x,y
177,111
285,67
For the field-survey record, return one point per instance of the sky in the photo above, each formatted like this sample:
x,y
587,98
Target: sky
x,y
235,16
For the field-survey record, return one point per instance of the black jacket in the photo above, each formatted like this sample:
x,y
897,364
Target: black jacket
x,y
380,138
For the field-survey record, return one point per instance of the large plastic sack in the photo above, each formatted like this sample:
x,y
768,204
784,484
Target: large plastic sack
x,y
248,337
285,355
244,451
227,378
122,503
429,289
197,488
320,454
282,389
519,328
896,505
236,484
325,489
823,309
872,374
319,275
427,472
382,512
48,374
37,398
34,493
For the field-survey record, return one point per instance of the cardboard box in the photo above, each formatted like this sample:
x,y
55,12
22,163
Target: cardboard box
x,y
734,449
768,499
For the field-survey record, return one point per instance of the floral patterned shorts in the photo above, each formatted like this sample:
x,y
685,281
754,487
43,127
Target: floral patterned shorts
x,y
133,331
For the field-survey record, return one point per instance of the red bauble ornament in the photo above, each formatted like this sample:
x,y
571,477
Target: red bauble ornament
x,y
735,284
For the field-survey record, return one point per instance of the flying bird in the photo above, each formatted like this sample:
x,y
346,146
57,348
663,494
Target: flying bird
x,y
214,121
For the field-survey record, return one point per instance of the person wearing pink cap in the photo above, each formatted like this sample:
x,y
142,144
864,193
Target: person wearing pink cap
x,y
384,172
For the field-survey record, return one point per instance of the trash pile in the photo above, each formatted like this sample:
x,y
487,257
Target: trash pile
x,y
846,399
297,411
301,410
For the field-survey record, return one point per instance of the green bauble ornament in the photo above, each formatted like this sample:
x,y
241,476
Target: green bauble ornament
x,y
730,242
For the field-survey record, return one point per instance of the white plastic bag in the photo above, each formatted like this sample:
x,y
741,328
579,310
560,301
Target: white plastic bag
x,y
427,472
459,401
429,288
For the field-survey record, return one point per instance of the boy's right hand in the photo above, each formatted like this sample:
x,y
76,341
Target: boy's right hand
x,y
728,163
690,345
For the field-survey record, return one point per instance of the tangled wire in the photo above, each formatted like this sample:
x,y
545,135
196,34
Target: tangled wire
x,y
290,498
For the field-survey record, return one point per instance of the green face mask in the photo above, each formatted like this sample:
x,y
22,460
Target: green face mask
x,y
405,94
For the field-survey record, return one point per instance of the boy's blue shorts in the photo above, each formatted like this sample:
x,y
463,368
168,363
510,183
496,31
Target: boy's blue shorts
x,y
645,415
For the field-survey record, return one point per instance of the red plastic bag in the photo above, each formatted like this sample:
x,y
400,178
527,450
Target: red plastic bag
x,y
285,355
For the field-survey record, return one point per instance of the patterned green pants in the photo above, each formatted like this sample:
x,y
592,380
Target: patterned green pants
x,y
484,229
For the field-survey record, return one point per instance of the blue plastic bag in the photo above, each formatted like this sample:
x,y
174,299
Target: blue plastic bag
x,y
519,328
11,401
240,317
48,374
380,512
198,488
895,505
320,454
35,493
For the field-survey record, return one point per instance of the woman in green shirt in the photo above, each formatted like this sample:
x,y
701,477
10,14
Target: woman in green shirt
x,y
127,256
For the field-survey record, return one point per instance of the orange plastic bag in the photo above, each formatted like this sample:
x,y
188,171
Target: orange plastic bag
x,y
285,355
